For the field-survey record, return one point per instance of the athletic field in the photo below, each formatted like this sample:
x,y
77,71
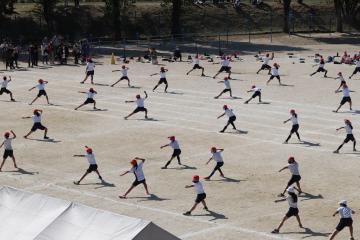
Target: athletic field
x,y
245,204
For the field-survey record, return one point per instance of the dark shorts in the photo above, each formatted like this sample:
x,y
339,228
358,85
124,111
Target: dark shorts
x,y
90,73
225,69
256,94
294,179
37,126
321,69
345,100
162,80
176,153
357,69
139,109
273,76
232,119
136,182
4,90
265,66
8,153
124,77
349,137
226,90
344,222
200,197
42,93
292,212
89,100
92,167
197,66
219,164
294,128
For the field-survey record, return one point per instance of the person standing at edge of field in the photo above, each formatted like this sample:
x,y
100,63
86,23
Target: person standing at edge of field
x,y
90,70
320,68
345,219
232,118
196,63
274,73
346,98
216,156
174,144
140,106
349,135
201,195
257,93
8,150
227,88
265,65
225,67
295,125
4,89
163,79
292,199
93,167
37,123
293,167
139,176
124,72
42,92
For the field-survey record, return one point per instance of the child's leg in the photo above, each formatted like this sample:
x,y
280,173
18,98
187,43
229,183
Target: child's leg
x,y
98,173
333,234
225,127
178,158
28,134
92,79
298,135
79,106
230,92
34,100
86,77
95,104
351,231
288,138
168,162
11,96
2,164
86,173
299,220
128,191
193,208
146,188
155,87
233,125
166,87
350,103
189,71
204,204
282,223
115,83
45,133
14,161
354,145
298,186
47,99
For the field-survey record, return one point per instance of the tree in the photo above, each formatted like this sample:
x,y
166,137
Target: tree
x,y
346,10
175,17
113,14
339,18
286,4
47,11
6,7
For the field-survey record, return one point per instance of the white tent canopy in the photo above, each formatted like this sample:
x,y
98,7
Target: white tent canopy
x,y
29,216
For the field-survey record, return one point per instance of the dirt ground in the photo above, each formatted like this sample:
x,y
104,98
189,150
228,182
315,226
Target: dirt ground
x,y
242,206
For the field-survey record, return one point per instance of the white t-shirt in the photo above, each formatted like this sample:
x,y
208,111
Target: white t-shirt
x,y
358,63
90,158
294,120
41,86
139,174
4,84
199,188
140,102
348,129
322,64
217,157
225,63
162,74
229,113
227,84
266,60
196,61
124,72
291,202
341,78
174,144
344,212
90,66
36,119
7,144
346,92
274,71
257,89
91,94
294,168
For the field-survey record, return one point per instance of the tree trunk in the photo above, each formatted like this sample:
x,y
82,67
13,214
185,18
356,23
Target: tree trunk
x,y
175,17
286,4
113,13
77,3
339,17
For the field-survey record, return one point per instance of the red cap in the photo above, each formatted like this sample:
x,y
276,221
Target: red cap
x,y
41,81
225,107
267,54
347,121
226,78
172,138
133,162
195,178
35,111
345,86
292,111
339,73
253,86
123,66
291,158
213,149
89,150
138,96
162,68
275,64
7,134
91,90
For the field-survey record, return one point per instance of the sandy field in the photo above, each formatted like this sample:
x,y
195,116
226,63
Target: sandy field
x,y
242,206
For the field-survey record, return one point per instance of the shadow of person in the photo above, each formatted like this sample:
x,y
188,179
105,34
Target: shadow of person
x,y
104,184
227,179
152,197
309,233
21,171
308,144
50,140
187,167
309,196
214,215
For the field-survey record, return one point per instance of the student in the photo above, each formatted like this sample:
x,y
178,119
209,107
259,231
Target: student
x,y
139,176
42,92
228,112
257,93
4,89
293,167
227,88
349,135
321,67
124,72
357,69
93,167
274,73
216,156
342,81
90,98
265,65
225,62
174,144
90,68
37,123
295,125
201,195
293,209
345,219
140,106
346,98
8,150
196,63
162,78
